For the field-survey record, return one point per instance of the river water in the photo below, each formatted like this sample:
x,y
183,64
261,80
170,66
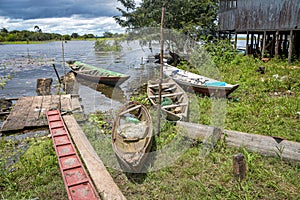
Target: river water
x,y
27,62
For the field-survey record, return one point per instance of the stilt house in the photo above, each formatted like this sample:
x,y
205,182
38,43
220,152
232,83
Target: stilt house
x,y
272,27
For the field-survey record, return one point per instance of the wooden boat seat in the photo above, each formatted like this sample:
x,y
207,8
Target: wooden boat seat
x,y
175,105
130,109
167,95
163,84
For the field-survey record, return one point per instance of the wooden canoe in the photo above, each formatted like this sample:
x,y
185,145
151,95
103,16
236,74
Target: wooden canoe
x,y
175,102
132,136
98,75
199,84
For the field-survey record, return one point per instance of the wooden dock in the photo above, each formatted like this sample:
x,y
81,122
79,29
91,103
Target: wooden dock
x,y
29,112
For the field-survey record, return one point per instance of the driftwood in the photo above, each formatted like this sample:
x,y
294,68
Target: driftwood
x,y
265,145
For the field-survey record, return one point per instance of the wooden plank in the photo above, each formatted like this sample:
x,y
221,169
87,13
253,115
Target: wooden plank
x,y
34,112
175,105
65,101
55,102
265,145
77,181
17,118
130,109
167,95
100,176
75,104
45,106
163,84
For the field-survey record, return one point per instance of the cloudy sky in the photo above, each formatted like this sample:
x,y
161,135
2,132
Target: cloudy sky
x,y
60,16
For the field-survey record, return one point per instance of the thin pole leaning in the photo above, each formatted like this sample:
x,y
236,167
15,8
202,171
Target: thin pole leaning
x,y
63,62
161,68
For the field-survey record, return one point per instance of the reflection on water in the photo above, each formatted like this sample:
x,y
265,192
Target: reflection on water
x,y
26,63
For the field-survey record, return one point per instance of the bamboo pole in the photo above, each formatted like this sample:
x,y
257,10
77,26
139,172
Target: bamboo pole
x,y
161,67
63,61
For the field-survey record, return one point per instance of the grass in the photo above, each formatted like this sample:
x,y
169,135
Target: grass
x,y
212,178
263,104
30,173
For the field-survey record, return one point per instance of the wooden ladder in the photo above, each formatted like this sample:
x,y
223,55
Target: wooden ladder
x,y
77,182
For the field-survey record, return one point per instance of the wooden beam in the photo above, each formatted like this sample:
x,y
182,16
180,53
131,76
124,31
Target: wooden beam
x,y
277,44
265,145
235,40
264,45
167,95
290,46
247,45
130,109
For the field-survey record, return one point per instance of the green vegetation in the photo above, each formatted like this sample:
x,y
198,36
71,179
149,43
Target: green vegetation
x,y
107,45
212,178
193,18
31,173
37,36
194,177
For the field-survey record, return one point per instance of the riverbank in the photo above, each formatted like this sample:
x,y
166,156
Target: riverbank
x,y
265,103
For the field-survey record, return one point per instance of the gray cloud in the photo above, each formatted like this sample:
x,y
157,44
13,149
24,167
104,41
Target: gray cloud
x,y
33,9
60,16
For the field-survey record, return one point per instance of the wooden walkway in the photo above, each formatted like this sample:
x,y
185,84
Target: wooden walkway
x,y
29,112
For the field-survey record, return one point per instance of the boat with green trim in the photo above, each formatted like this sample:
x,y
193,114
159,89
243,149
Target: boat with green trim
x,y
98,75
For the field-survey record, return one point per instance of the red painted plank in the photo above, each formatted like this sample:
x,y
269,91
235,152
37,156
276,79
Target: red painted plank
x,y
77,182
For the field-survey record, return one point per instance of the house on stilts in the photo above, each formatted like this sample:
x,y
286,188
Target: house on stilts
x,y
272,27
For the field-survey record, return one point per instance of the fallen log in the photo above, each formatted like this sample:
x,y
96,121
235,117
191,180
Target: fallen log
x,y
265,145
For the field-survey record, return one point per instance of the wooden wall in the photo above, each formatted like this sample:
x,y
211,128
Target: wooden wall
x,y
255,15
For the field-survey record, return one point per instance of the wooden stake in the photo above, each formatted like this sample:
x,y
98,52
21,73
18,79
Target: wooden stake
x,y
161,68
239,166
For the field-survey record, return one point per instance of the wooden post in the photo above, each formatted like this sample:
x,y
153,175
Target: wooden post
x,y
161,68
235,41
247,45
239,166
264,45
252,41
290,47
277,44
43,86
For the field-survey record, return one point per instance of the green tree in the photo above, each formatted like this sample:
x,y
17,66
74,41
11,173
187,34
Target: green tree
x,y
191,17
75,35
108,35
4,30
37,29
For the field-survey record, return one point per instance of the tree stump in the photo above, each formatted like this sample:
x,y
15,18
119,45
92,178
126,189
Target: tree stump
x,y
239,166
43,86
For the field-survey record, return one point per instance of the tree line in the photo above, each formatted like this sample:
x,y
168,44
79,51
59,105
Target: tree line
x,y
194,18
38,35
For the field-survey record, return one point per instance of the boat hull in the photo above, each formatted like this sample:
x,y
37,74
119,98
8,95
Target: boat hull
x,y
112,81
206,90
130,151
199,84
97,75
